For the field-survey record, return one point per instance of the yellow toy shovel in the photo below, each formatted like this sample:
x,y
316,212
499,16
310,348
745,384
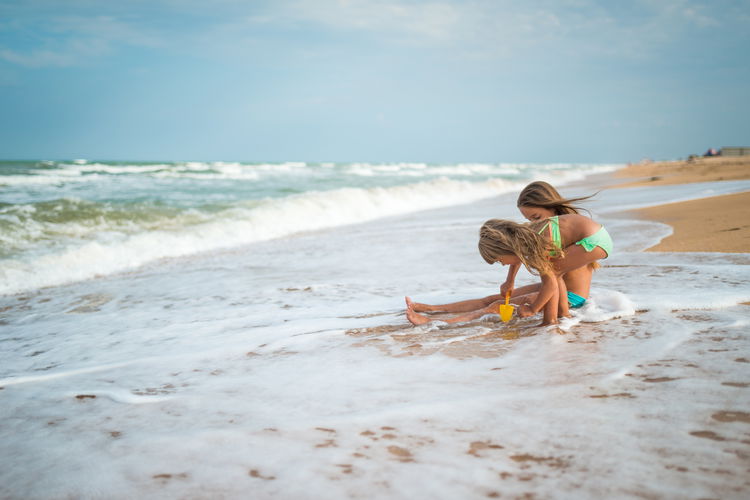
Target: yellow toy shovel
x,y
506,311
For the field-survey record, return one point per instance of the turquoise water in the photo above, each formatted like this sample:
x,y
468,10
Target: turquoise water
x,y
63,221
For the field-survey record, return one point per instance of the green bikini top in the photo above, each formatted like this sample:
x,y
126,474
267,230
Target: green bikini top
x,y
554,232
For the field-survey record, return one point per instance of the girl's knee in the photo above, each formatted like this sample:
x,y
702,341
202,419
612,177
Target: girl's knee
x,y
493,307
491,299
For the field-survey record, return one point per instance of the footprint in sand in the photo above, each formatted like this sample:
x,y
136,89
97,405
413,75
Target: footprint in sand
x,y
400,451
617,395
402,454
328,443
164,478
736,384
256,474
732,416
657,380
477,446
554,462
345,468
708,435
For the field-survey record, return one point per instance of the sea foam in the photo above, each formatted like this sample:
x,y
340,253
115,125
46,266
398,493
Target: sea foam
x,y
107,241
287,368
113,249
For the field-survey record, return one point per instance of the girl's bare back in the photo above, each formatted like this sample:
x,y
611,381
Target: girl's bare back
x,y
575,227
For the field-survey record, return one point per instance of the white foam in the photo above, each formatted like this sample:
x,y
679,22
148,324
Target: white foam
x,y
114,250
118,396
602,305
288,370
47,179
121,248
86,172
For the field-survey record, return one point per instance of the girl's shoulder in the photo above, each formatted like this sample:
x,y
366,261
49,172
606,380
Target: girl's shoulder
x,y
572,217
577,222
575,219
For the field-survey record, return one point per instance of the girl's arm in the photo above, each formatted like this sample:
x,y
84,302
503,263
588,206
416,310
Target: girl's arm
x,y
510,280
563,308
548,290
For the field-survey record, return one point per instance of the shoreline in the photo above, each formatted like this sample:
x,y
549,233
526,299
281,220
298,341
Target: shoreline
x,y
711,224
685,171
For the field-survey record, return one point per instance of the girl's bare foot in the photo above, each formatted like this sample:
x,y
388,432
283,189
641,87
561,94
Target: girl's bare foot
x,y
416,319
416,306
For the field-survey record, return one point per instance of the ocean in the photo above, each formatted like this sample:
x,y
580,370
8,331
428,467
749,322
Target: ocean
x,y
237,330
68,221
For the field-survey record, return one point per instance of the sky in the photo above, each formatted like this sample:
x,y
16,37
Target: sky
x,y
370,80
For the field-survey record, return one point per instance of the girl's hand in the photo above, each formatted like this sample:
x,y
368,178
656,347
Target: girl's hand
x,y
524,311
506,287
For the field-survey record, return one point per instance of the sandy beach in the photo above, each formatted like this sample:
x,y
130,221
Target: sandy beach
x,y
218,220
712,224
683,171
286,368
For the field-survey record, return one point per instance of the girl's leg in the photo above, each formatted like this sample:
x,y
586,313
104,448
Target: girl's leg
x,y
453,307
546,301
576,256
574,267
522,299
579,281
551,308
524,290
563,308
469,305
418,319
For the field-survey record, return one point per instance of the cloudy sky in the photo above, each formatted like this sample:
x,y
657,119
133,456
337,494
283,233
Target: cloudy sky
x,y
372,80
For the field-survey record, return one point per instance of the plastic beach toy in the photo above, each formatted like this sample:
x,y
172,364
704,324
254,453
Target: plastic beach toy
x,y
506,311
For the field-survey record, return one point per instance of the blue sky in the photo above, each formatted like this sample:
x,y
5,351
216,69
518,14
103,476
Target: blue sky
x,y
366,80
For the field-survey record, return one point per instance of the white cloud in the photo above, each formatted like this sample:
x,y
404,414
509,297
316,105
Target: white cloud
x,y
433,21
469,28
506,27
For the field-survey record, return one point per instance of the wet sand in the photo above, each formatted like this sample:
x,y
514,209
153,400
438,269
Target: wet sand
x,y
715,224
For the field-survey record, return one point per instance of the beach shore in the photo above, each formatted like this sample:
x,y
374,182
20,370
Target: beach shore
x,y
287,368
714,224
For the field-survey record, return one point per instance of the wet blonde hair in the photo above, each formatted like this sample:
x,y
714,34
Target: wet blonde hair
x,y
544,195
499,237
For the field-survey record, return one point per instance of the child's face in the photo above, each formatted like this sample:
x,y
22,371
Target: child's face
x,y
536,213
509,260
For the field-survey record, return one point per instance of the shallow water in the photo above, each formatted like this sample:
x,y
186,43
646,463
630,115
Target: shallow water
x,y
62,222
286,369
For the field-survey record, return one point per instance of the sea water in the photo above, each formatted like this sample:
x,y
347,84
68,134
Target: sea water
x,y
68,221
193,330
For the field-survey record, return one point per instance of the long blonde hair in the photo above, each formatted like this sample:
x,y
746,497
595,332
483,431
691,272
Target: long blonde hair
x,y
544,195
499,237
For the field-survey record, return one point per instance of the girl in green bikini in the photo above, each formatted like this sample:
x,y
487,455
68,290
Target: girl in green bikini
x,y
565,268
539,201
